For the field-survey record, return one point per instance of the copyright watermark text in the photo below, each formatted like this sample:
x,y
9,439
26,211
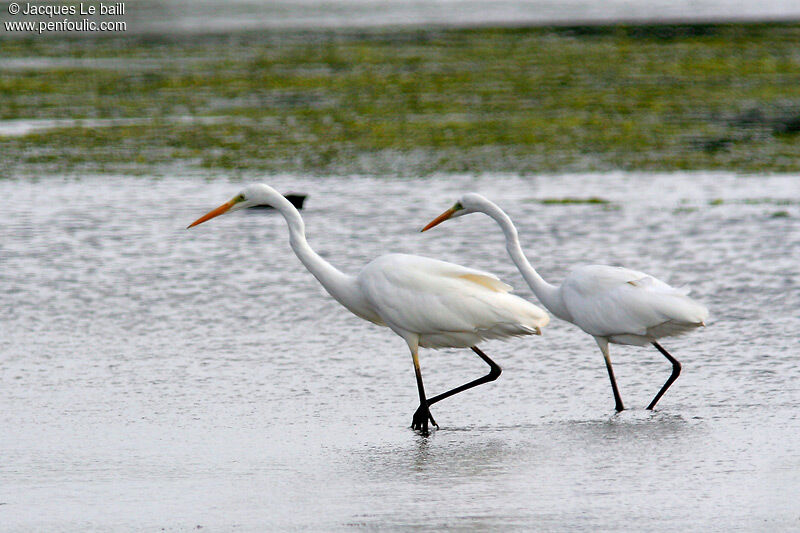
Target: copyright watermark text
x,y
42,18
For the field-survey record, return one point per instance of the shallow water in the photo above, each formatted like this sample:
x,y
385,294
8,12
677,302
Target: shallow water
x,y
153,377
22,127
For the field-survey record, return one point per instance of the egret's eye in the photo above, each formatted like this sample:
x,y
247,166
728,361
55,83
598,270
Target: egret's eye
x,y
239,198
458,207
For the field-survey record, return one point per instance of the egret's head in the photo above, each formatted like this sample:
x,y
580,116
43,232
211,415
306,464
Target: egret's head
x,y
252,195
469,203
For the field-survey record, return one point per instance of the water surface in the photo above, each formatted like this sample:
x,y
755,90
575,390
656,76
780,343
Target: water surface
x,y
154,377
169,17
202,15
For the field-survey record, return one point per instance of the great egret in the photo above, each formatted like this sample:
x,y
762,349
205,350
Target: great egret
x,y
613,304
427,302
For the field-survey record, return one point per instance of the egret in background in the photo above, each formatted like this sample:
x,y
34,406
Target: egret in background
x,y
427,302
613,304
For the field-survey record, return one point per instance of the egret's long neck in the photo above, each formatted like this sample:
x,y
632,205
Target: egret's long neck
x,y
341,286
548,294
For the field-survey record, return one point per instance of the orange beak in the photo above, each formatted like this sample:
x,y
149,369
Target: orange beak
x,y
213,213
441,218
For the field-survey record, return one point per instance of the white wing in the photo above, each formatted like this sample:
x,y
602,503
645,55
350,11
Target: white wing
x,y
628,306
447,305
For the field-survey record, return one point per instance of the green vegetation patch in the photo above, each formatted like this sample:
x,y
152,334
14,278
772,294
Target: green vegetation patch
x,y
754,201
411,102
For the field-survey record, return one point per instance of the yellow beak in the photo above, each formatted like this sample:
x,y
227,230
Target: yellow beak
x,y
213,213
441,218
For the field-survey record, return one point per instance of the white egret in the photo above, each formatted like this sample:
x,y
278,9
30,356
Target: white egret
x,y
615,305
427,302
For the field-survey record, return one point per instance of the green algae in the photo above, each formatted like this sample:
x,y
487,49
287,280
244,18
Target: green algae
x,y
413,102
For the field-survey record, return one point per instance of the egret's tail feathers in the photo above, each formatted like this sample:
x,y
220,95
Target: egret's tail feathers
x,y
671,328
500,330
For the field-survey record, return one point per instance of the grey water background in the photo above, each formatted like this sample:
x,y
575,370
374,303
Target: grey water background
x,y
193,15
154,377
190,16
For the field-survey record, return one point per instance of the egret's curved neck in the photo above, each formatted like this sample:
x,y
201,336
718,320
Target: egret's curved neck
x,y
341,286
548,294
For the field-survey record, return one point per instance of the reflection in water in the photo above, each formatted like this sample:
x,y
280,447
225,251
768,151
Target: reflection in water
x,y
440,455
154,377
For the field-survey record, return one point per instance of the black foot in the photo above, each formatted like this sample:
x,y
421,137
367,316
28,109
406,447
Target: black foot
x,y
619,407
420,421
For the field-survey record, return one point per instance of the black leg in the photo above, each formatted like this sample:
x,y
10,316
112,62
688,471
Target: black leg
x,y
423,414
603,343
676,371
617,399
494,373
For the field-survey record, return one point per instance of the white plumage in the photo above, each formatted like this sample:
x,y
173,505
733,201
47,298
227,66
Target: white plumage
x,y
445,305
429,303
626,306
613,304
